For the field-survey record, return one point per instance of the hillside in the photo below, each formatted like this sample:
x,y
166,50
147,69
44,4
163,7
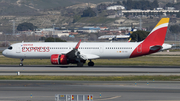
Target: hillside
x,y
43,13
22,7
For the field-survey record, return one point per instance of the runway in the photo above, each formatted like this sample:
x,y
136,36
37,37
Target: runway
x,y
110,90
29,90
90,71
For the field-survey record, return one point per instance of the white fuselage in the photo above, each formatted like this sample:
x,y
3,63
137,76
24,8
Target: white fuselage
x,y
104,50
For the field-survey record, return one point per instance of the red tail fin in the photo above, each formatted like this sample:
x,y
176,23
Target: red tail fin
x,y
158,34
153,41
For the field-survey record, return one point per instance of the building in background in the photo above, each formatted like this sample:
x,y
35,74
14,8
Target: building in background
x,y
115,7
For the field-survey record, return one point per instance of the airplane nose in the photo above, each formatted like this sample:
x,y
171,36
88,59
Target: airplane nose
x,y
4,52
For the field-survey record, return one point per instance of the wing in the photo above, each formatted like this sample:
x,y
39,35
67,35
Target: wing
x,y
73,54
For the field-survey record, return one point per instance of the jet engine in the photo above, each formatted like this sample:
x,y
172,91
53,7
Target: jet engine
x,y
57,59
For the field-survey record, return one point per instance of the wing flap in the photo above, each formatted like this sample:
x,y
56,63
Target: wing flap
x,y
89,56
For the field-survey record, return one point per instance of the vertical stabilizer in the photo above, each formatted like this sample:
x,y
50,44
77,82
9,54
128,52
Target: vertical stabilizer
x,y
158,34
131,31
154,41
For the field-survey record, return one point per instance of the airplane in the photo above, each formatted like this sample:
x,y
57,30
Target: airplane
x,y
111,37
127,35
129,40
63,53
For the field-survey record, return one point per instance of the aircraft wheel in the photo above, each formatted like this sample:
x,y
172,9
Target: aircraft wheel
x,y
91,64
21,64
80,64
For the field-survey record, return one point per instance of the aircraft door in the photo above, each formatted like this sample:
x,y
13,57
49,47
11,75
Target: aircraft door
x,y
18,49
139,49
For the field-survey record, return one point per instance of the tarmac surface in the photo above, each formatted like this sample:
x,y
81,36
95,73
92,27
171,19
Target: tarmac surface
x,y
90,71
110,91
29,90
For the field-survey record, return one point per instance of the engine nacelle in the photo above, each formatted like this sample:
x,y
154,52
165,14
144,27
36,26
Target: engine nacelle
x,y
57,59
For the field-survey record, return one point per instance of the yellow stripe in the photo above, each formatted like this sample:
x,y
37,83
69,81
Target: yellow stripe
x,y
162,21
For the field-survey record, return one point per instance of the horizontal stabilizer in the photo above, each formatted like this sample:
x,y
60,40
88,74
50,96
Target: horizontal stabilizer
x,y
154,48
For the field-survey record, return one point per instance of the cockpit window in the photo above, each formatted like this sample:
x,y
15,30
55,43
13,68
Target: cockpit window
x,y
10,47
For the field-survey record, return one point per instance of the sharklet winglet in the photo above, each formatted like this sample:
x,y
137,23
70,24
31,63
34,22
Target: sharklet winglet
x,y
78,44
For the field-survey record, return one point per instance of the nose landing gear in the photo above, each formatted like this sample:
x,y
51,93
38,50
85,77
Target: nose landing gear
x,y
21,64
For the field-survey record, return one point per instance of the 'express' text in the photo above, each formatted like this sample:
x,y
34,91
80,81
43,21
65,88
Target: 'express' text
x,y
35,49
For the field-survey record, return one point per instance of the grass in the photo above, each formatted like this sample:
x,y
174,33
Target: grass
x,y
94,78
175,50
145,60
11,61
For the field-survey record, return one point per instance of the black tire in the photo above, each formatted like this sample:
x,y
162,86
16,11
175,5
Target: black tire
x,y
91,64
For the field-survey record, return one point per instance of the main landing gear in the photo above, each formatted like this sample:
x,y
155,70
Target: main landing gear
x,y
90,63
21,64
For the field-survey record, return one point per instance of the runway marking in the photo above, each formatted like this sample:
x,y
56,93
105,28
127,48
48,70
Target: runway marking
x,y
25,97
109,98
